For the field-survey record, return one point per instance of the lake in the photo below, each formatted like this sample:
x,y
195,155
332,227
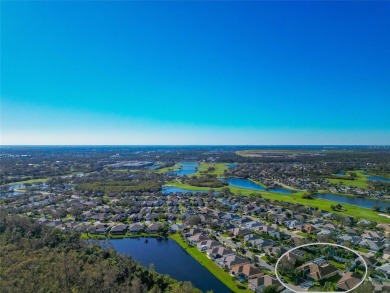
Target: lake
x,y
168,189
169,258
187,168
353,200
378,178
248,184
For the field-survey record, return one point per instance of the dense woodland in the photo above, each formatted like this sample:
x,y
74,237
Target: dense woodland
x,y
36,258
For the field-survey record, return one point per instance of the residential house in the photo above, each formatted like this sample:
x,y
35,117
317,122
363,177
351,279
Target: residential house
x,y
99,228
373,235
261,243
208,244
386,253
193,240
348,281
385,270
370,261
246,271
373,246
118,229
239,231
219,252
254,225
176,227
250,237
258,284
153,228
228,261
318,271
354,240
136,228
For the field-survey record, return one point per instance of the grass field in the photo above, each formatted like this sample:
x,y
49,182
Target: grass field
x,y
29,181
210,265
219,168
168,169
322,204
360,181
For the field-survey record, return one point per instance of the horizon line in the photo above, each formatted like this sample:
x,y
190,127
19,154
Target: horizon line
x,y
331,145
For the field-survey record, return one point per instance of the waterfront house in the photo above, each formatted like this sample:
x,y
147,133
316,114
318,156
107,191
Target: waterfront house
x,y
193,240
246,271
208,244
98,228
176,227
228,261
219,252
118,229
153,228
136,228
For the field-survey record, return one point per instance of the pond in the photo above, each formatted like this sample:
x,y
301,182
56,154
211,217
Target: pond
x,y
10,193
248,184
353,200
232,165
341,173
378,178
170,258
187,168
168,189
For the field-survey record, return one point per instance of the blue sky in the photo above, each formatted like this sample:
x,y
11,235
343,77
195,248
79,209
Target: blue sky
x,y
195,72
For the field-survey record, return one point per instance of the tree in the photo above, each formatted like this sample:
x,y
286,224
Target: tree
x,y
270,289
286,265
194,220
376,208
353,175
364,288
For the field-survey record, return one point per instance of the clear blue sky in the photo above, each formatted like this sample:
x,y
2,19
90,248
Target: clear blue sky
x,y
195,72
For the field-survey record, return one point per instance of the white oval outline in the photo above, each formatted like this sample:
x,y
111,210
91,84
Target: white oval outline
x,y
321,243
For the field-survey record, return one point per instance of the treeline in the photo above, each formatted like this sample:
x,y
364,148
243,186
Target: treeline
x,y
36,258
120,186
207,180
380,186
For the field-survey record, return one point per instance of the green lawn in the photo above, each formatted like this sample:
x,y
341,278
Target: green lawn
x,y
219,168
30,181
210,265
350,210
338,265
169,169
316,289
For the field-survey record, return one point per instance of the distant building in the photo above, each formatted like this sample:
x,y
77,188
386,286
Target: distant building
x,y
130,165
